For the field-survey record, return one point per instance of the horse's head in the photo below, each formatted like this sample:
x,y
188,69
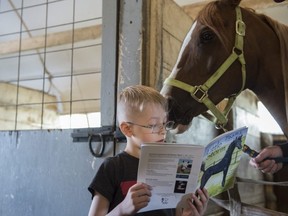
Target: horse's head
x,y
207,45
238,142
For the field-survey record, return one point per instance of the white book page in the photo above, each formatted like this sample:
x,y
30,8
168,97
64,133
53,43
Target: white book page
x,y
171,170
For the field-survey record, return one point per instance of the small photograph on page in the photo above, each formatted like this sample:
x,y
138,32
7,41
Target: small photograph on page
x,y
180,186
184,166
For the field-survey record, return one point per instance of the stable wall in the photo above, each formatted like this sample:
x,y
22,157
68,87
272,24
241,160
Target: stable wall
x,y
45,173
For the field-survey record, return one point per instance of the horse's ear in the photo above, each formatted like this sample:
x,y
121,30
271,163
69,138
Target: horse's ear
x,y
233,3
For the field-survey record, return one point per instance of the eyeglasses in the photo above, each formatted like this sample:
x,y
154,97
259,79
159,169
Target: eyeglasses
x,y
156,128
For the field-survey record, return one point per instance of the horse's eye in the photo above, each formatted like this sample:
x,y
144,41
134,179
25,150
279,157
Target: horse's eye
x,y
206,36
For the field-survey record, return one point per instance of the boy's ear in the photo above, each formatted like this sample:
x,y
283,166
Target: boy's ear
x,y
125,129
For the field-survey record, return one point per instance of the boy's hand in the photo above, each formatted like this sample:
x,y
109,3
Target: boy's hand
x,y
197,204
138,197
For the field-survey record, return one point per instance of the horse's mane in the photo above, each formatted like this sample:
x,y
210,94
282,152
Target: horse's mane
x,y
281,31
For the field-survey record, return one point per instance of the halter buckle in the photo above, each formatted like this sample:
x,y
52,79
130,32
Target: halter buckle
x,y
201,97
240,27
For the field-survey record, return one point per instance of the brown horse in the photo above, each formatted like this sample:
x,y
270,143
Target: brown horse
x,y
227,50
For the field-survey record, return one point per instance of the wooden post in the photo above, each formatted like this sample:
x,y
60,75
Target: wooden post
x,y
163,37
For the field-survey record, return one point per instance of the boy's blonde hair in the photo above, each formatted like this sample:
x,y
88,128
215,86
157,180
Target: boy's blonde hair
x,y
133,99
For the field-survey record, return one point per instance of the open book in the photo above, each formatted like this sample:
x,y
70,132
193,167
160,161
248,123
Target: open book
x,y
175,170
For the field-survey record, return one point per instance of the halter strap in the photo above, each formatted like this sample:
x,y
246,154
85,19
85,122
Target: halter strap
x,y
200,93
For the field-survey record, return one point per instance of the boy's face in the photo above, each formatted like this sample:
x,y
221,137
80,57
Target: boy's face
x,y
152,116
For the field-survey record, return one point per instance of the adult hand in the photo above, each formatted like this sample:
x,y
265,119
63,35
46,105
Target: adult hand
x,y
266,165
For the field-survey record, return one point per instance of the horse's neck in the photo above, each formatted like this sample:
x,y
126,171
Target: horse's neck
x,y
230,149
272,90
274,100
282,33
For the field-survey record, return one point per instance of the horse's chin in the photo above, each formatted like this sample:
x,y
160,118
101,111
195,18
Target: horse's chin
x,y
180,129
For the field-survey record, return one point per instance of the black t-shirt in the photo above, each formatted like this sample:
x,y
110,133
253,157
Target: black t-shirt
x,y
114,178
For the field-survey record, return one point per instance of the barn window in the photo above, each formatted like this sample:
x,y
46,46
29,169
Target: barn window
x,y
50,63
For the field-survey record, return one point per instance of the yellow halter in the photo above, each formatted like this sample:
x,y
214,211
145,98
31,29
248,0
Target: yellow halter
x,y
200,93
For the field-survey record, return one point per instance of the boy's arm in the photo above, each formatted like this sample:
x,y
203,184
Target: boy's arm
x,y
99,206
138,197
197,204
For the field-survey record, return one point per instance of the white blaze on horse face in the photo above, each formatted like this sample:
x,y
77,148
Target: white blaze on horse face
x,y
175,70
185,43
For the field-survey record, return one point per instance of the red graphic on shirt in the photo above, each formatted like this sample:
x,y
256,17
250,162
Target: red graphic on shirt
x,y
125,186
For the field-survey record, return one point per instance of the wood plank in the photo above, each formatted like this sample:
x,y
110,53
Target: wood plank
x,y
172,16
53,39
166,72
152,42
163,37
171,47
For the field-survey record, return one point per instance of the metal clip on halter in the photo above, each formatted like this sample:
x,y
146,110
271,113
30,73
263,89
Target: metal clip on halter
x,y
203,94
240,27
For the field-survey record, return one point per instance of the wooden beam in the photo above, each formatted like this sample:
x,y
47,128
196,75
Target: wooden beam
x,y
53,39
9,92
193,9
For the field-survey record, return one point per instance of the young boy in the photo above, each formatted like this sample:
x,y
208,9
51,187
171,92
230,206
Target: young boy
x,y
142,118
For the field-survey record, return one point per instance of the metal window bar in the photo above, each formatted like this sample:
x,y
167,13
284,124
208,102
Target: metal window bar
x,y
19,82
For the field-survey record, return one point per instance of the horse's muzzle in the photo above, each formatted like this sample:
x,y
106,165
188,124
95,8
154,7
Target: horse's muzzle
x,y
176,114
